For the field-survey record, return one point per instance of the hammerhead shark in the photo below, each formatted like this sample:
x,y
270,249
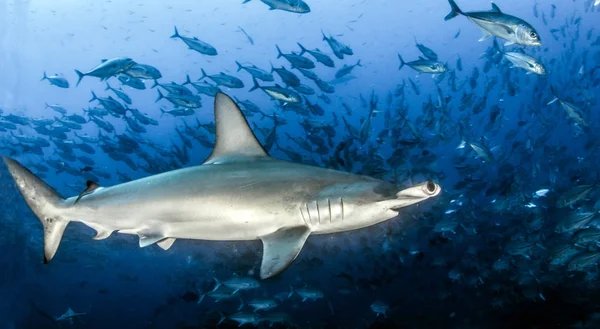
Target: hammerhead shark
x,y
238,193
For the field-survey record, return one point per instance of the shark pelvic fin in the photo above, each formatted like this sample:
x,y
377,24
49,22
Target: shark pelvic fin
x,y
166,243
280,248
101,232
91,187
234,138
149,239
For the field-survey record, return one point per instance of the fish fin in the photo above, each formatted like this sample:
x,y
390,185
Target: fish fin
x,y
402,63
44,201
509,43
103,60
454,12
176,34
45,76
80,76
91,187
147,239
485,35
280,248
495,8
240,67
101,232
552,101
166,243
233,134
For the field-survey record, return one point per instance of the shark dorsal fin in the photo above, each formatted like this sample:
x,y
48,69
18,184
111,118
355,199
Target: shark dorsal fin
x,y
495,8
90,188
234,138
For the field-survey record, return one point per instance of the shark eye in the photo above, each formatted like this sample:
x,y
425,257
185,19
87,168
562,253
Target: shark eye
x,y
430,187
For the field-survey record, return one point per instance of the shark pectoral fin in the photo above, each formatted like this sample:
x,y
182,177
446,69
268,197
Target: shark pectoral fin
x,y
166,243
233,137
280,248
90,188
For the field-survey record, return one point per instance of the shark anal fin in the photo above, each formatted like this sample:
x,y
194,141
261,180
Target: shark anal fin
x,y
280,248
90,188
166,243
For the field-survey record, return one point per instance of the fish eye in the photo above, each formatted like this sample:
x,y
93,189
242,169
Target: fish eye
x,y
533,35
430,187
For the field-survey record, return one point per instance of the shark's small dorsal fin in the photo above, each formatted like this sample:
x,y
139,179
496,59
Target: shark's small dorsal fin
x,y
495,8
91,187
234,138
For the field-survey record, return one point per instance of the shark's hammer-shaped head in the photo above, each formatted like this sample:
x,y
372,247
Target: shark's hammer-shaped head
x,y
365,203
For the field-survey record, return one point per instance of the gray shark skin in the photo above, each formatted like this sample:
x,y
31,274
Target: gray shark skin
x,y
238,193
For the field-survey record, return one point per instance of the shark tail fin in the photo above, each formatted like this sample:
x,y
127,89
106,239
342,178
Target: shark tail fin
x,y
44,201
455,11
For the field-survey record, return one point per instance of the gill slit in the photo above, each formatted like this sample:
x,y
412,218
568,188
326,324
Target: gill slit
x,y
318,212
342,203
303,218
329,206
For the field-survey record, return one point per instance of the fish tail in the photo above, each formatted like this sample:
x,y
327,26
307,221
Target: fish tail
x,y
324,36
240,67
80,76
160,96
107,86
45,77
402,63
223,316
217,284
454,12
496,46
245,1
204,75
44,201
187,80
279,53
256,85
176,34
302,49
94,97
358,63
162,112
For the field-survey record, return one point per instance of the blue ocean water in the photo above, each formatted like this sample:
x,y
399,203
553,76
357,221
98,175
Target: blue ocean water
x,y
510,242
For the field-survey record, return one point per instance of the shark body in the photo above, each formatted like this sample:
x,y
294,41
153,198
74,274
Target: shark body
x,y
238,193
